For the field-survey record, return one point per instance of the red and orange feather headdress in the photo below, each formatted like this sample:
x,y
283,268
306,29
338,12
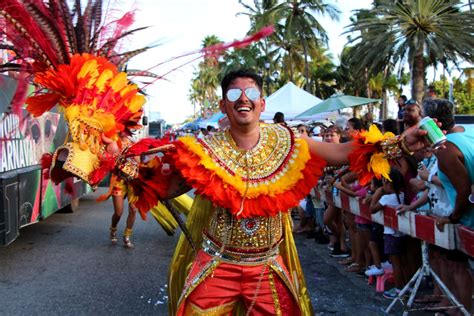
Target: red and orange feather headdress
x,y
76,67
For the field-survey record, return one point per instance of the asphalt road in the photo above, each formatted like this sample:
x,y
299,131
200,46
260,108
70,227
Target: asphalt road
x,y
65,265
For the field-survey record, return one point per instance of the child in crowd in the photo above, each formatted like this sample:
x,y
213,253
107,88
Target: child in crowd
x,y
358,227
376,245
391,194
421,202
333,214
306,210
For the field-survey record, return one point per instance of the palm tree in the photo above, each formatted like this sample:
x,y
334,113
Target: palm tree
x,y
348,78
205,82
323,74
257,14
299,25
413,31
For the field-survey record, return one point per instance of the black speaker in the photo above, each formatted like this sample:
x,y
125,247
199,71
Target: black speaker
x,y
145,120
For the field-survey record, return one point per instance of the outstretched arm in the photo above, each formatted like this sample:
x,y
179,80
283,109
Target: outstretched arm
x,y
175,183
337,154
334,154
451,163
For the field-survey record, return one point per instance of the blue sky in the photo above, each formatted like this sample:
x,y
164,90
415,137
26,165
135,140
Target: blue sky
x,y
179,26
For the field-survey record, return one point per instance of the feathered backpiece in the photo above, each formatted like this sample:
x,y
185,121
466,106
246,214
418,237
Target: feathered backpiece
x,y
72,58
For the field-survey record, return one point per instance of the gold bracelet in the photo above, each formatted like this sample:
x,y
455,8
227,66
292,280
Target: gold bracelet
x,y
391,148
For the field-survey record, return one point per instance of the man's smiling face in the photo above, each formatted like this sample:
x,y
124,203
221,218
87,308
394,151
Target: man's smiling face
x,y
243,111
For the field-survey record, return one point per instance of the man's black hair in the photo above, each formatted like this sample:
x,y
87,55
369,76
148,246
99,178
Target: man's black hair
x,y
431,89
240,73
279,117
442,110
356,123
404,98
398,182
390,125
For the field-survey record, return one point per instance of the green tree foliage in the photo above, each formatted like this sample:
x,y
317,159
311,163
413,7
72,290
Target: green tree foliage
x,y
463,94
203,91
413,31
299,31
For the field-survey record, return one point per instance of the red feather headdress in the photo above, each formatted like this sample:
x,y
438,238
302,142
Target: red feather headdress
x,y
73,60
72,56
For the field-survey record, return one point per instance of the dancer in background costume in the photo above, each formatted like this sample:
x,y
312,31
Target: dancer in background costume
x,y
118,192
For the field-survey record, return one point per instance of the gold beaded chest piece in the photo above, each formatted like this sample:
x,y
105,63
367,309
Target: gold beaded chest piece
x,y
258,164
245,236
247,240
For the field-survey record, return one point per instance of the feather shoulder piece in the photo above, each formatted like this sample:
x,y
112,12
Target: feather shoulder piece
x,y
270,178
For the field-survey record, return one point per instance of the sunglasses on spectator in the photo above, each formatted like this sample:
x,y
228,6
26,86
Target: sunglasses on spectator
x,y
234,94
411,101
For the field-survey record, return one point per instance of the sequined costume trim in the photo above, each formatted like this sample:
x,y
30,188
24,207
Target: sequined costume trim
x,y
238,256
257,182
244,235
276,300
275,265
270,156
226,309
192,283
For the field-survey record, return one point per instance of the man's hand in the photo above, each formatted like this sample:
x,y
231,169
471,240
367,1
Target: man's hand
x,y
415,139
441,221
111,146
423,173
403,208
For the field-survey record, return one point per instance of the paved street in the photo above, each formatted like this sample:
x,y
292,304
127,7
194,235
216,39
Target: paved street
x,y
65,265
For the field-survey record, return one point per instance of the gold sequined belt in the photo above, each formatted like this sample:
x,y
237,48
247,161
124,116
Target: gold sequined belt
x,y
239,256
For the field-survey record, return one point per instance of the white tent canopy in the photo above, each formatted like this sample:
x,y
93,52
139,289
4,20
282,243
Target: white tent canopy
x,y
290,100
213,120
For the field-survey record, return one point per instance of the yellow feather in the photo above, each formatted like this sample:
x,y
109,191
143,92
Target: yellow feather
x,y
136,103
88,69
104,77
72,112
373,135
380,165
119,81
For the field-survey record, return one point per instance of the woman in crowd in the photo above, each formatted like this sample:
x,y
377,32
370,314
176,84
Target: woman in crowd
x,y
333,215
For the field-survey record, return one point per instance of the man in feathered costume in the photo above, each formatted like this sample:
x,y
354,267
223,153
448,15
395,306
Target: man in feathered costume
x,y
238,255
246,178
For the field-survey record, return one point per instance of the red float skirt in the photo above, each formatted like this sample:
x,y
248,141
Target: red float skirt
x,y
216,287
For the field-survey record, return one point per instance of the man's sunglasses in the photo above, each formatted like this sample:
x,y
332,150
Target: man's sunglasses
x,y
234,94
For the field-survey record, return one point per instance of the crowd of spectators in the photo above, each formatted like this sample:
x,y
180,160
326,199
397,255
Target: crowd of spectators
x,y
436,182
